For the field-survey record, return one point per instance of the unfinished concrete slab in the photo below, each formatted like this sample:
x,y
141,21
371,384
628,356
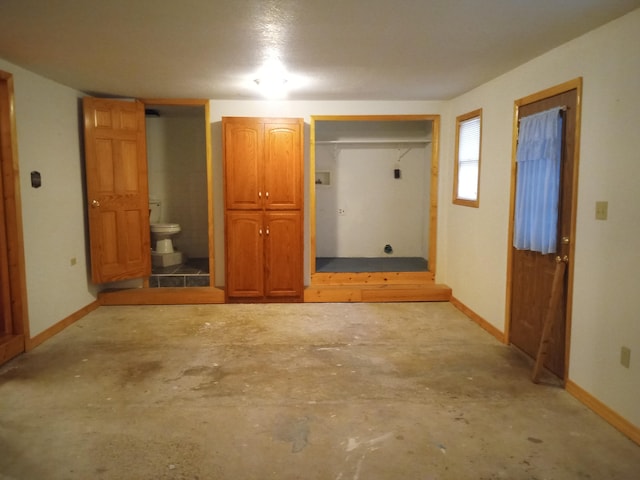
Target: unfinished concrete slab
x,y
303,391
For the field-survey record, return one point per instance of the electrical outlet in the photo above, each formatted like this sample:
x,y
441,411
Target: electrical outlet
x,y
625,356
341,211
602,210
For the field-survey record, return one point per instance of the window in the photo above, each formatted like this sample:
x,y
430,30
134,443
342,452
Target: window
x,y
466,179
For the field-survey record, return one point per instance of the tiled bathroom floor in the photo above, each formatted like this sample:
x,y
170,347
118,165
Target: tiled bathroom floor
x,y
193,273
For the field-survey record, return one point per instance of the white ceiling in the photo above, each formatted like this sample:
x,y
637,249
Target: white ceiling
x,y
332,49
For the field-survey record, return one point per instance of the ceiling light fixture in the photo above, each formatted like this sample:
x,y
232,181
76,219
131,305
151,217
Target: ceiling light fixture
x,y
272,79
272,87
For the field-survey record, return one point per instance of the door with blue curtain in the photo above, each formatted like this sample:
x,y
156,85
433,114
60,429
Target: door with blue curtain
x,y
532,271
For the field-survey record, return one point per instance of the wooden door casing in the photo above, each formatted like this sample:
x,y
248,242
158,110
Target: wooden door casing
x,y
6,317
532,273
117,189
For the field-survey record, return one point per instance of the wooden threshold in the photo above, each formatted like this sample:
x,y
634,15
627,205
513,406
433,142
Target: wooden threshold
x,y
325,288
162,296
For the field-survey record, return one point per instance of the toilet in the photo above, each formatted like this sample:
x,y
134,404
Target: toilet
x,y
163,254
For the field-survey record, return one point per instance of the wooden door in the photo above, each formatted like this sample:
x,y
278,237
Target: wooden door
x,y
283,165
14,325
531,272
244,233
117,189
283,254
243,174
6,320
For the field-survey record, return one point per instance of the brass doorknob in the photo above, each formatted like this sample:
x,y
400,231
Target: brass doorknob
x,y
564,259
95,204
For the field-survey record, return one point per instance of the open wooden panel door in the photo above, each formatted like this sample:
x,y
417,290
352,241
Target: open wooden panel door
x,y
117,189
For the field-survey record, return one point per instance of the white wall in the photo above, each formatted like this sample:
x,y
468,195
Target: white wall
x,y
378,208
299,109
177,162
473,255
49,130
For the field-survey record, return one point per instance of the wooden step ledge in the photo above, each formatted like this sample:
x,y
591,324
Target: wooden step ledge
x,y
377,293
162,296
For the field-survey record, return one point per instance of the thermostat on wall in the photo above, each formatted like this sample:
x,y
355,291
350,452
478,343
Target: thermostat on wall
x,y
36,179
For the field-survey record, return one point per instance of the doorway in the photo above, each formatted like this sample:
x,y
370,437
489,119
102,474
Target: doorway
x,y
14,331
125,292
177,178
531,274
373,197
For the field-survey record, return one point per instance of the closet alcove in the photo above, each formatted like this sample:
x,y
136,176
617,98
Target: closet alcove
x,y
374,197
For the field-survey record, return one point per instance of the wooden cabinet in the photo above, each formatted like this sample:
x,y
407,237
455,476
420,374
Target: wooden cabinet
x,y
263,175
263,164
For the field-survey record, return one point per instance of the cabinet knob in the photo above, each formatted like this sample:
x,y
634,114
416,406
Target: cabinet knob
x,y
267,230
259,194
266,194
260,231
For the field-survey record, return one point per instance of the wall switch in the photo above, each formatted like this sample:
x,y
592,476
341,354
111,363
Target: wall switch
x,y
625,356
73,261
602,210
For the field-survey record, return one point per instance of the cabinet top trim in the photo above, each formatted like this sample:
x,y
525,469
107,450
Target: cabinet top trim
x,y
254,120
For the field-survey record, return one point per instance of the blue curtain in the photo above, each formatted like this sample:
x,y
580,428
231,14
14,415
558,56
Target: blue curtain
x,y
538,181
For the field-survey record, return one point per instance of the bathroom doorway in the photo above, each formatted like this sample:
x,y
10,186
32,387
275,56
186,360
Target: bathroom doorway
x,y
176,135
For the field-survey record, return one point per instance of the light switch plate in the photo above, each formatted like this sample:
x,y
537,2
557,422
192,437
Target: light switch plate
x,y
625,356
602,210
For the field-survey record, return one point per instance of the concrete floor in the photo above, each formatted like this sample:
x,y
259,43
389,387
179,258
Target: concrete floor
x,y
306,391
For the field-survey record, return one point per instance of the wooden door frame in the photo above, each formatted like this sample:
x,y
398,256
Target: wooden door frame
x,y
14,288
575,84
204,103
179,295
384,277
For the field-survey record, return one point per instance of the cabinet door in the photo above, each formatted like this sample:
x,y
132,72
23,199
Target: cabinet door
x,y
243,172
244,254
283,165
283,254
